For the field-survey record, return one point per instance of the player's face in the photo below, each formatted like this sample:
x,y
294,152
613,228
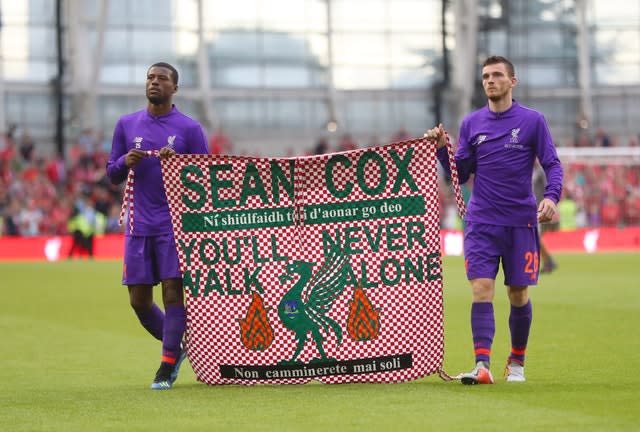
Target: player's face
x,y
496,82
160,86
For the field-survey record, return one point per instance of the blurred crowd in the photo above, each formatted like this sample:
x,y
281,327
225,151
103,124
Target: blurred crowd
x,y
601,138
52,196
601,195
594,195
55,196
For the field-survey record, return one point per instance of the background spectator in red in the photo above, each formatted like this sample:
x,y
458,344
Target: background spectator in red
x,y
632,208
610,213
219,143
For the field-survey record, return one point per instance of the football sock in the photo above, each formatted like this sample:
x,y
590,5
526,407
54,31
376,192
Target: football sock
x,y
152,320
519,324
483,328
175,323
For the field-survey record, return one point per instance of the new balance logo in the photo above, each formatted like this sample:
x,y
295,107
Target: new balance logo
x,y
479,140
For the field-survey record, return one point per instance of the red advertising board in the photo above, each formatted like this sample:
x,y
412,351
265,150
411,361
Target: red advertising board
x,y
110,247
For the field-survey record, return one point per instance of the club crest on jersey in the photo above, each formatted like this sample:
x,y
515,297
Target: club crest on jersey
x,y
514,136
170,140
138,142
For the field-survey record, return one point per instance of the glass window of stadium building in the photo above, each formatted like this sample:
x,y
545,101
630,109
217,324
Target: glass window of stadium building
x,y
276,76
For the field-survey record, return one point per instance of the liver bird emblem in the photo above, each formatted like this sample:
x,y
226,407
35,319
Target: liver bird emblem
x,y
304,307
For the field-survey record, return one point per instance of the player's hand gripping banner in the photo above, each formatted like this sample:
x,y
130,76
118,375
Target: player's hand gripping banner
x,y
324,267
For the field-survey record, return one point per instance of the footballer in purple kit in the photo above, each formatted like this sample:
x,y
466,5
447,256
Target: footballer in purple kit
x,y
499,144
150,255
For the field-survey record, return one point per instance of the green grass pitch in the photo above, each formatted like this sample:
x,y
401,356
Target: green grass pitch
x,y
74,358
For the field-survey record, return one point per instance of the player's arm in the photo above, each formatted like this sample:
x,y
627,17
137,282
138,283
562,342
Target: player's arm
x,y
166,152
117,168
121,159
464,157
437,135
547,209
548,157
133,157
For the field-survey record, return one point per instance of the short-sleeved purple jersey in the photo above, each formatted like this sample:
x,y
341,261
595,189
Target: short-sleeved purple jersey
x,y
500,149
144,131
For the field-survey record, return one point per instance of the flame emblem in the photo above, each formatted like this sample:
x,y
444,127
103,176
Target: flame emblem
x,y
363,323
256,332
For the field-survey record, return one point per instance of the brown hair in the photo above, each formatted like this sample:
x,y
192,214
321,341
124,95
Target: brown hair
x,y
499,59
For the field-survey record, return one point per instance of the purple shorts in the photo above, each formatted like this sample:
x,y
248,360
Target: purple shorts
x,y
518,248
149,260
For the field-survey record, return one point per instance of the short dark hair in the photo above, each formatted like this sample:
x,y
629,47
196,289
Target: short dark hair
x,y
174,72
499,59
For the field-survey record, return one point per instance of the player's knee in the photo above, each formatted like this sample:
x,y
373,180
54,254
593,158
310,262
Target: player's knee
x,y
140,299
139,306
518,295
172,292
483,290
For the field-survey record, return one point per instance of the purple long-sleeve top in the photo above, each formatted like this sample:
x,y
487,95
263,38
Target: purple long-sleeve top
x,y
500,149
144,131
